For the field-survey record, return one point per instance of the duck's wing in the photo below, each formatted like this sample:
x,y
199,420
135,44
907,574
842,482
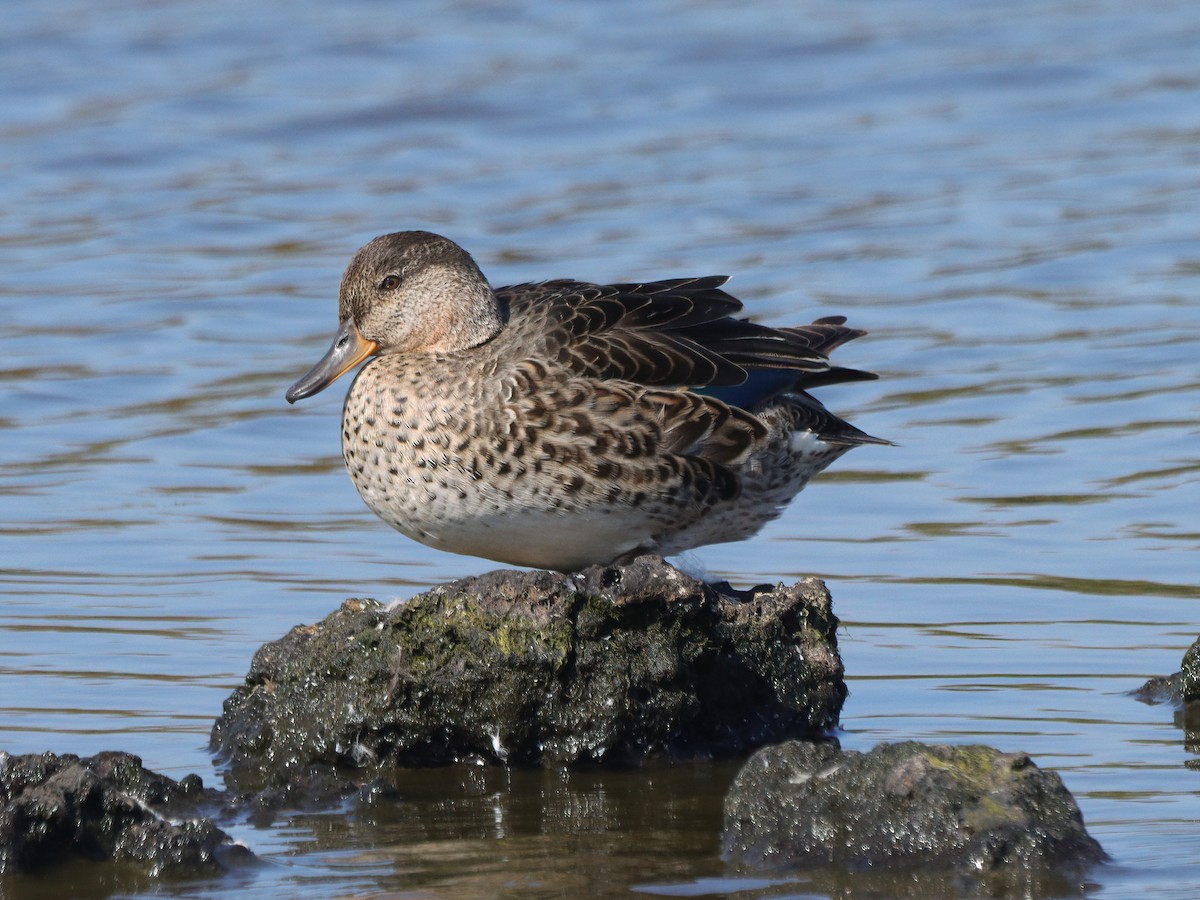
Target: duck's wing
x,y
676,333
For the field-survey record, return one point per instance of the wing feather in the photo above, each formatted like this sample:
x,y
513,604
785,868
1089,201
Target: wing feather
x,y
677,333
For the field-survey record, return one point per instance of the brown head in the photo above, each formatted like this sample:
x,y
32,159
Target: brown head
x,y
407,292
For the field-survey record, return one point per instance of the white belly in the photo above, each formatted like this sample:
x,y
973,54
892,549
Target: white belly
x,y
544,539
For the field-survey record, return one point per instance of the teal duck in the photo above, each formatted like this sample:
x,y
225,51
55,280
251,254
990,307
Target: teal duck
x,y
564,423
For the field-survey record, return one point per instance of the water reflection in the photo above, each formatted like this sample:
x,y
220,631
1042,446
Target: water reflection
x,y
479,832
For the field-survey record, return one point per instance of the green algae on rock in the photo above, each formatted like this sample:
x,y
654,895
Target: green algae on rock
x,y
609,665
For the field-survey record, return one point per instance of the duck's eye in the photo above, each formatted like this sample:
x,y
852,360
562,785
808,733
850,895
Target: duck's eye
x,y
389,283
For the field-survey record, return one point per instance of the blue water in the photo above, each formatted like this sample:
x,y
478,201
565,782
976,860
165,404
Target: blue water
x,y
1004,195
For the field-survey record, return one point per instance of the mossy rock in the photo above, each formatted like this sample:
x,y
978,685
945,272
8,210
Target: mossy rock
x,y
608,665
969,812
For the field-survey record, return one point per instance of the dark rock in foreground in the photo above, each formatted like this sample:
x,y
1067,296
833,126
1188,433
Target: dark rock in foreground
x,y
610,664
105,808
969,810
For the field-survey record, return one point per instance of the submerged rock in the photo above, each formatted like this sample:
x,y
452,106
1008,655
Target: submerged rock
x,y
1182,691
106,807
969,810
608,665
1181,688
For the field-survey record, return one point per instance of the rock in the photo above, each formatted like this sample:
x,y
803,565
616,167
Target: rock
x,y
1182,691
1178,689
611,664
1189,673
1166,689
971,811
106,807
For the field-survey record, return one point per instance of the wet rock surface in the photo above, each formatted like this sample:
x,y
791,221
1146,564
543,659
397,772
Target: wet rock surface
x,y
611,664
1189,674
106,807
970,811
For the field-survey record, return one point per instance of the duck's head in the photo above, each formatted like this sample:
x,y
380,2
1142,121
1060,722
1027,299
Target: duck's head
x,y
411,291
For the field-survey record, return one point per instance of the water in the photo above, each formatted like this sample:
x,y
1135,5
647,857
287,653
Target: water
x,y
1004,195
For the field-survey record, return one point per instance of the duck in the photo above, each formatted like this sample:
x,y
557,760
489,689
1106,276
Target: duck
x,y
563,424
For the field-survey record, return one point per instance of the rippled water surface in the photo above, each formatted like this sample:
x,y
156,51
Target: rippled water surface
x,y
1005,195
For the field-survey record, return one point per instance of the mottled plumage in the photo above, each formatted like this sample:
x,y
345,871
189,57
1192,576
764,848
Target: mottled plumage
x,y
564,423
